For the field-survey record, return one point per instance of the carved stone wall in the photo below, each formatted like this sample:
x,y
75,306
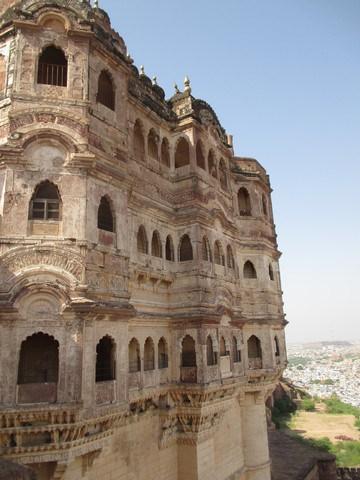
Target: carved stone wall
x,y
155,407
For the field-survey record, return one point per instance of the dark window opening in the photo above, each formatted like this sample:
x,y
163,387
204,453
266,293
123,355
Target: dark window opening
x,y
139,142
53,67
153,149
206,250
182,154
254,347
156,247
236,351
185,250
134,356
105,216
163,357
45,203
277,348
249,270
142,242
105,360
149,355
106,91
165,152
271,273
211,356
188,352
219,258
169,249
200,159
230,258
39,360
244,203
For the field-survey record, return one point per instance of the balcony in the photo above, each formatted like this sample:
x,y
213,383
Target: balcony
x,y
52,430
188,374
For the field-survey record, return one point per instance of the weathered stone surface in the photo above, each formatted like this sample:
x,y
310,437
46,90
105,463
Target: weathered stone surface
x,y
141,321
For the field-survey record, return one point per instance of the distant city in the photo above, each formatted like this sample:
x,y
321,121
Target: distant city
x,y
326,368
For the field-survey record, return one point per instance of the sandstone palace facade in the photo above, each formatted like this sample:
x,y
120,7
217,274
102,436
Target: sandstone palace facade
x,y
141,320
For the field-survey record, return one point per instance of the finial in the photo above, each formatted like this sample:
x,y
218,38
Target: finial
x,y
187,84
96,4
176,88
154,81
142,70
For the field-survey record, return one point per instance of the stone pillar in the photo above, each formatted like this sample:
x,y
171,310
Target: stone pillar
x,y
254,430
196,460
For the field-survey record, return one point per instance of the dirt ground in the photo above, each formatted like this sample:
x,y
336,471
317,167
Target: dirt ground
x,y
318,424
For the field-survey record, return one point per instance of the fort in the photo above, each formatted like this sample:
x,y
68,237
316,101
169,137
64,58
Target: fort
x,y
141,315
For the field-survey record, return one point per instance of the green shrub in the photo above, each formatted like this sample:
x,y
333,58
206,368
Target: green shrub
x,y
308,404
347,453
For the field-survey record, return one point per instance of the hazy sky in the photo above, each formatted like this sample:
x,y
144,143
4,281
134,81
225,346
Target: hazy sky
x,y
284,79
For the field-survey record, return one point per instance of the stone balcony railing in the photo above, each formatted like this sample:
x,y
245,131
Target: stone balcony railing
x,y
105,392
188,374
35,432
36,393
255,363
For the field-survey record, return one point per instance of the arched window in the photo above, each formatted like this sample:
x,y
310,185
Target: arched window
x,y
105,216
169,249
53,66
219,258
223,351
156,247
276,345
153,149
200,159
264,205
142,241
236,351
210,354
230,258
244,202
185,249
45,203
212,164
149,354
165,152
139,142
254,347
249,270
134,356
223,175
106,90
105,360
271,272
206,250
163,357
2,73
182,153
39,366
188,352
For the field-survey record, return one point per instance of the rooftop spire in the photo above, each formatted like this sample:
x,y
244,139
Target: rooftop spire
x,y
187,84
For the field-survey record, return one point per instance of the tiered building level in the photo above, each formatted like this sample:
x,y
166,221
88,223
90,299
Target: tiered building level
x,y
141,320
